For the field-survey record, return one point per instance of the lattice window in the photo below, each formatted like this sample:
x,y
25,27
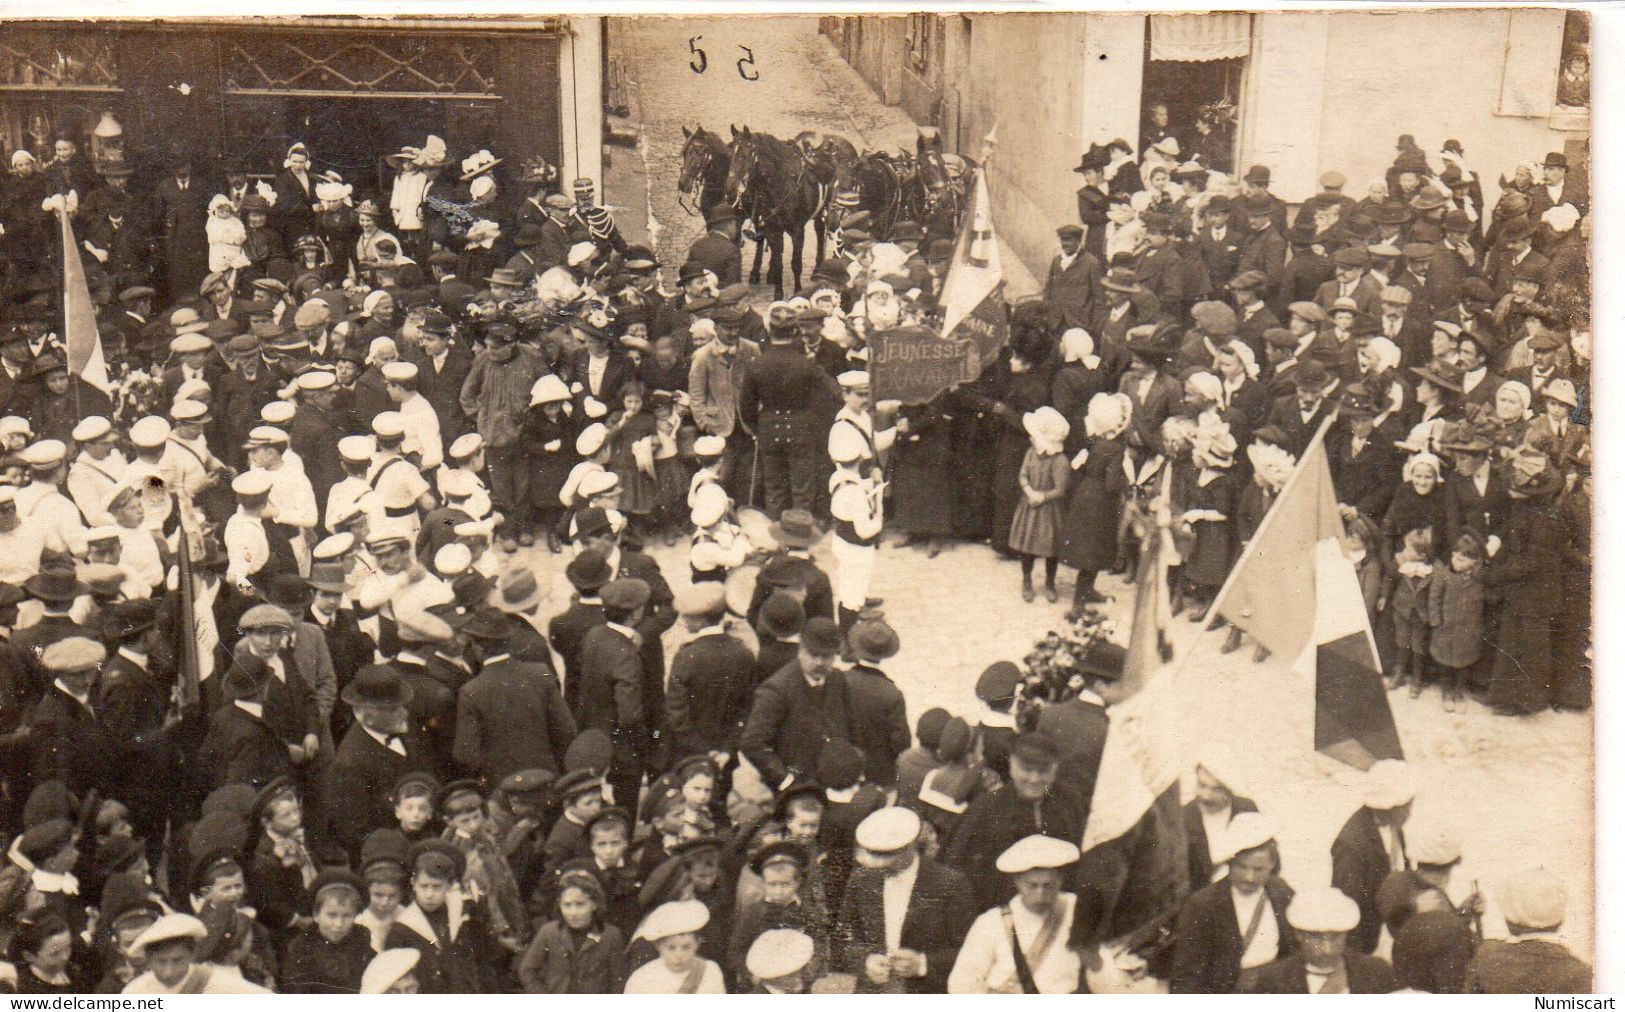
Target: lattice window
x,y
343,64
83,61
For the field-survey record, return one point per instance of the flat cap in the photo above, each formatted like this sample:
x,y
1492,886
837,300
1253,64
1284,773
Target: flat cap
x,y
1036,851
315,379
333,546
252,482
703,598
357,448
684,917
188,410
278,412
626,593
1533,898
388,425
75,653
1035,747
170,927
1322,909
266,616
187,344
1246,831
45,454
527,781
465,446
400,372
91,428
777,953
888,830
1309,311
387,968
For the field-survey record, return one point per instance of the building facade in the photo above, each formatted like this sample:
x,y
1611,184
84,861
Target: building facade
x,y
352,89
1301,92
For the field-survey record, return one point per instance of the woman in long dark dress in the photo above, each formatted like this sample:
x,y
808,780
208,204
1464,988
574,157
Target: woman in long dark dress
x,y
1095,504
923,482
1080,377
1527,573
1210,515
1027,389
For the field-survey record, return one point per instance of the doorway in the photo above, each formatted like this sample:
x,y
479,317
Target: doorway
x,y
1197,101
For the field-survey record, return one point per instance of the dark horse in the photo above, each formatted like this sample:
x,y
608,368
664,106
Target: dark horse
x,y
879,181
704,176
777,186
940,193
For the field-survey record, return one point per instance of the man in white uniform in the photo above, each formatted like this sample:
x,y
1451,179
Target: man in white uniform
x,y
97,470
1039,919
855,503
421,424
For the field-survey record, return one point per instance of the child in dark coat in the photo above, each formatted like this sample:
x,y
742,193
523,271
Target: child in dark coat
x,y
329,956
1455,611
576,952
1408,609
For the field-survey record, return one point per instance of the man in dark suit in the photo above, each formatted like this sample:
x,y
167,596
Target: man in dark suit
x,y
239,746
1218,241
70,744
379,749
718,250
793,569
1222,924
1479,383
1476,497
1036,800
879,719
593,530
1078,725
1371,844
1352,282
442,368
1256,191
709,696
511,715
798,709
313,432
133,702
612,696
1300,415
1558,188
1322,919
908,951
1155,394
1405,321
180,206
1263,249
1073,284
1532,961
116,238
1253,317
1516,249
587,572
603,383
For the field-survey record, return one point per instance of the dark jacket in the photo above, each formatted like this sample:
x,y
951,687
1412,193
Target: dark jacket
x,y
566,632
241,749
442,389
718,254
1208,943
361,778
313,965
1079,726
996,820
71,745
1075,290
940,912
790,722
1527,966
709,695
555,964
1367,975
879,722
511,717
611,694
1359,864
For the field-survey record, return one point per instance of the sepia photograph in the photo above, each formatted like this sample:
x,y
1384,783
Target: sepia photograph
x,y
845,502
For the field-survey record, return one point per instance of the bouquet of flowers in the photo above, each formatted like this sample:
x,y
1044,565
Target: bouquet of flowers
x,y
1055,665
137,394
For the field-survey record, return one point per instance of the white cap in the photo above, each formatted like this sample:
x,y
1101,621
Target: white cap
x,y
333,547
591,439
457,484
185,411
1435,845
476,528
1036,851
1246,831
190,390
710,503
710,446
778,953
388,424
853,378
315,379
548,389
107,532
400,372
387,530
592,407
267,435
252,482
598,483
888,830
277,412
149,432
684,917
92,428
169,927
580,253
386,969
46,453
452,559
1389,784
465,446
189,343
357,448
15,425
1322,909
8,493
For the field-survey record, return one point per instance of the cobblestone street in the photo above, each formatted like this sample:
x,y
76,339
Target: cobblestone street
x,y
1517,791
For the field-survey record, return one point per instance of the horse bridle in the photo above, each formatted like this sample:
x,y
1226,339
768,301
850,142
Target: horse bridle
x,y
790,192
697,183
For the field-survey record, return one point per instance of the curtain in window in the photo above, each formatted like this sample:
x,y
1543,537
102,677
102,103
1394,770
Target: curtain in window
x,y
1199,37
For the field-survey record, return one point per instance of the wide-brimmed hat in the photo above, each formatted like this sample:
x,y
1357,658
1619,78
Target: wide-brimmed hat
x,y
1534,476
478,164
1094,158
1122,279
795,528
377,685
872,638
516,591
55,585
1443,375
504,276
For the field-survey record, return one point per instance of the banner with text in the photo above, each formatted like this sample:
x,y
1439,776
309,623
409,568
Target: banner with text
x,y
915,364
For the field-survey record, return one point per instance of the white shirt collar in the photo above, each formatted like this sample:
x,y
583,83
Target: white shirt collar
x,y
251,708
83,700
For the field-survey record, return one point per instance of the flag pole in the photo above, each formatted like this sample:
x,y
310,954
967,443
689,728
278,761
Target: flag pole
x,y
1269,518
62,284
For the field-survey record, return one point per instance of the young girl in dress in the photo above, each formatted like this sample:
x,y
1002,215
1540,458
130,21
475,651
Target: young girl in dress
x,y
1043,478
226,234
1209,515
632,437
671,472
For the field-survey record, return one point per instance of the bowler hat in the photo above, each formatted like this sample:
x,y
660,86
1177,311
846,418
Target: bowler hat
x,y
1094,158
872,639
1556,160
821,634
377,685
1122,279
1393,213
589,571
1456,220
719,214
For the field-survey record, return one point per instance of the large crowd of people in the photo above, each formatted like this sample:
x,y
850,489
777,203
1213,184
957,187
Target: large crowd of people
x,y
281,708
